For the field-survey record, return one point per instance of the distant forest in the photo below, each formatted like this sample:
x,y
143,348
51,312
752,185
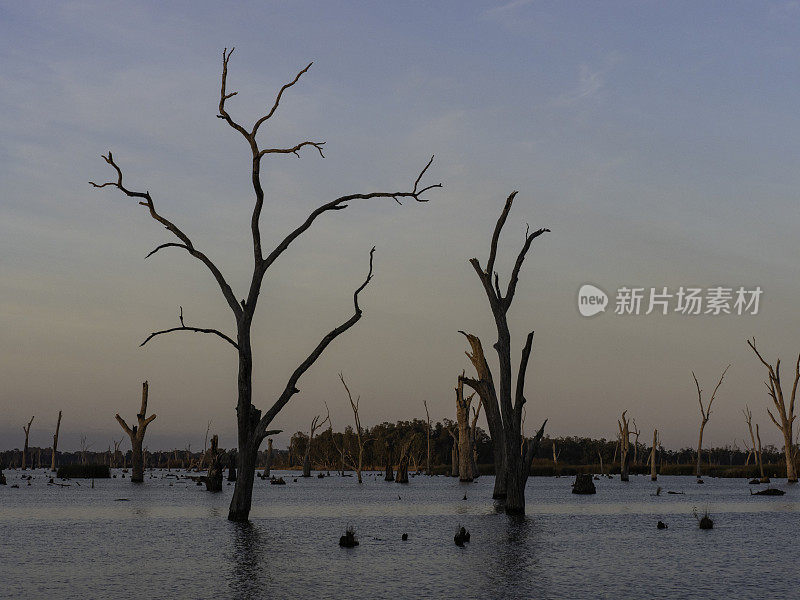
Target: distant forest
x,y
335,451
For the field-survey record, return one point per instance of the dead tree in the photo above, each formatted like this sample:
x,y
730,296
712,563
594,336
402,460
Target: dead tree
x,y
748,418
428,437
205,446
402,465
624,442
653,473
136,434
389,473
465,458
252,425
785,414
358,463
504,406
117,453
315,424
453,451
705,413
474,438
215,466
268,460
27,430
555,458
55,443
635,431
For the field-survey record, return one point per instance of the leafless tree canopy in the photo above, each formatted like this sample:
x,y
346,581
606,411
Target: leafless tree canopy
x,y
252,425
785,412
504,409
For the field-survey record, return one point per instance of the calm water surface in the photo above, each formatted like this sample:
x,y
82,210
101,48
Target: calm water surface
x,y
171,539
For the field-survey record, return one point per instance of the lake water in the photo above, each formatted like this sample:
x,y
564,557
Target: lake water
x,y
171,539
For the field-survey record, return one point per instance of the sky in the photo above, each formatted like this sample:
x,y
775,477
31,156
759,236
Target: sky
x,y
658,142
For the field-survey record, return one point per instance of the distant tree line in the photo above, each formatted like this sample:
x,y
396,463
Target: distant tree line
x,y
383,443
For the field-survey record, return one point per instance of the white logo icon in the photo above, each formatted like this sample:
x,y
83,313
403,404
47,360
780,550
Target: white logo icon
x,y
591,300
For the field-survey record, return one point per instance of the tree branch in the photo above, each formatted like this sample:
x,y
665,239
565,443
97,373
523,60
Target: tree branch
x,y
294,150
291,386
278,99
147,201
340,204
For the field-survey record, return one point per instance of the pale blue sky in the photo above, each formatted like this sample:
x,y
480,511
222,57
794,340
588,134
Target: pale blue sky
x,y
657,140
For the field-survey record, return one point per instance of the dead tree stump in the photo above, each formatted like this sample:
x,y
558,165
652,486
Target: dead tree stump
x,y
583,484
214,477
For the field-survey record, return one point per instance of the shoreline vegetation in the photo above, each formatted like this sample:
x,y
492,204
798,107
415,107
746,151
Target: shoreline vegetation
x,y
562,456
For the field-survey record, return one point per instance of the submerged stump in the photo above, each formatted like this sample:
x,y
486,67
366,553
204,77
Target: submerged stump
x,y
583,484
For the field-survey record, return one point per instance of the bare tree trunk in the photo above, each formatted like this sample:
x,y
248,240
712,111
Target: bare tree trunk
x,y
136,435
428,438
600,456
27,430
700,448
251,425
635,431
474,438
389,474
402,465
268,462
705,414
760,463
653,474
215,467
55,443
624,441
464,435
785,420
453,454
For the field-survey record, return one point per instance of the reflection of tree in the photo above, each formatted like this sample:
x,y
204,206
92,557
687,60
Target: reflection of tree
x,y
249,578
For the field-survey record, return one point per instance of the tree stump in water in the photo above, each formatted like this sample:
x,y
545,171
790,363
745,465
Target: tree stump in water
x,y
213,478
706,522
583,484
461,536
348,540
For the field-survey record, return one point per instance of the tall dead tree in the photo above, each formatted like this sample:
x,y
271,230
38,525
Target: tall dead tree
x,y
252,425
756,450
653,473
55,443
785,420
315,424
504,406
136,434
354,404
428,438
27,430
465,471
705,413
624,442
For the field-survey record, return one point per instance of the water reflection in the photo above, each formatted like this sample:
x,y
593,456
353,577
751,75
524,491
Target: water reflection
x,y
248,578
